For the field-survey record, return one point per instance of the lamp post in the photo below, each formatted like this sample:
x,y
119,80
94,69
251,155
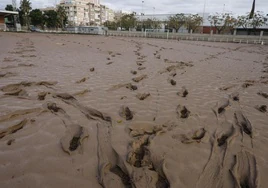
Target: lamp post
x,y
142,14
153,17
204,15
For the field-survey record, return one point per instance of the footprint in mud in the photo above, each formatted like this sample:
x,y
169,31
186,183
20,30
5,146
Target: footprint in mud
x,y
42,95
235,96
128,86
243,123
245,170
109,63
173,73
172,82
141,68
182,112
265,95
194,137
79,93
7,74
220,106
13,129
126,113
73,139
261,108
81,81
10,142
213,174
133,72
16,87
248,83
142,96
89,112
140,78
18,92
225,88
183,93
131,87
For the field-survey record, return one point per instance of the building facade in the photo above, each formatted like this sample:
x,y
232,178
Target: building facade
x,y
86,12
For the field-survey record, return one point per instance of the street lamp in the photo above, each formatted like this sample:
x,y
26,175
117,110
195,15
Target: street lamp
x,y
204,15
153,17
142,14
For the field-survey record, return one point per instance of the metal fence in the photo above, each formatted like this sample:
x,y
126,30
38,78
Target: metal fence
x,y
248,39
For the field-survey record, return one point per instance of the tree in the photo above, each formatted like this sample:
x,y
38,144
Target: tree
x,y
177,21
193,22
257,20
61,16
25,7
50,18
37,18
9,8
111,25
128,21
222,21
10,17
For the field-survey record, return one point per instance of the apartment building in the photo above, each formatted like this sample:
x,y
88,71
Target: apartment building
x,y
86,12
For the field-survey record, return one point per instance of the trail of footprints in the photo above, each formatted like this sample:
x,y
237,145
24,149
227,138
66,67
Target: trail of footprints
x,y
135,167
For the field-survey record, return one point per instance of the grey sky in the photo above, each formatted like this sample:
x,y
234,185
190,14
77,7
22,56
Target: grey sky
x,y
168,6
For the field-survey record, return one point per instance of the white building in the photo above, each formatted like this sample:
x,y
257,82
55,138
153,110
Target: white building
x,y
86,12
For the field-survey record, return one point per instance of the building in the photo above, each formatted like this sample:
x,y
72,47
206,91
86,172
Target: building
x,y
7,24
86,12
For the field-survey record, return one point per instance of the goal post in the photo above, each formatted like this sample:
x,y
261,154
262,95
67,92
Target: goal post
x,y
156,33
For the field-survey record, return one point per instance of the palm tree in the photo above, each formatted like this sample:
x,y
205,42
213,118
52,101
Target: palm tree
x,y
61,15
252,10
25,7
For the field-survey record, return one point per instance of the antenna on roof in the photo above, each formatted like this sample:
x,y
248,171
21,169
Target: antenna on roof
x,y
14,4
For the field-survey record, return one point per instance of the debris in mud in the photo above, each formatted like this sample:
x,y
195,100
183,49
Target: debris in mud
x,y
182,112
92,69
13,129
109,63
126,113
183,93
138,79
262,108
143,96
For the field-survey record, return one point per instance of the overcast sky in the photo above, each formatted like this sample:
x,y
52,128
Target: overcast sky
x,y
168,6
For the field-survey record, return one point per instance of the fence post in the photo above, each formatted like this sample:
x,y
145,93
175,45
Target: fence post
x,y
167,34
261,34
